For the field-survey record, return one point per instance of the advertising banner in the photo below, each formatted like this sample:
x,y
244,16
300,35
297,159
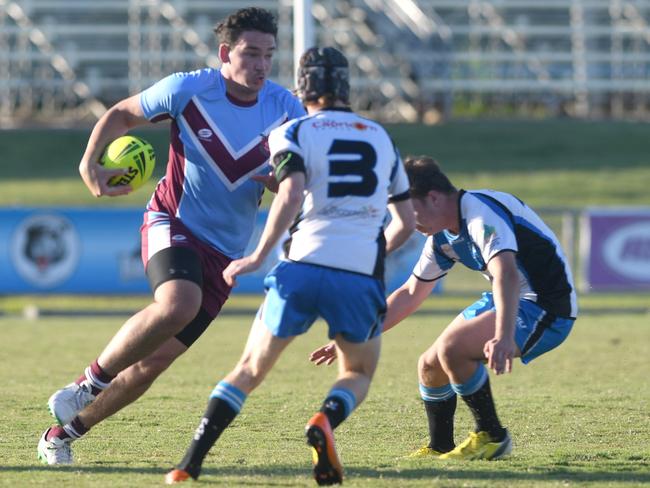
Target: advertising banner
x,y
97,251
616,248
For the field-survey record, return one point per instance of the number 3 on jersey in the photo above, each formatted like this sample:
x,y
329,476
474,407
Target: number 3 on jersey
x,y
360,159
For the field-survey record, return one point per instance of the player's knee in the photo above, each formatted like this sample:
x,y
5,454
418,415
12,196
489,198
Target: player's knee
x,y
447,350
178,314
428,362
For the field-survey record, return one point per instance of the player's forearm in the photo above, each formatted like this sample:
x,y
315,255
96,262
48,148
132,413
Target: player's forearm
x,y
404,301
116,122
506,300
283,211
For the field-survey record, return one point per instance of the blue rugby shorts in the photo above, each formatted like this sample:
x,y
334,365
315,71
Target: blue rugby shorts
x,y
536,332
352,304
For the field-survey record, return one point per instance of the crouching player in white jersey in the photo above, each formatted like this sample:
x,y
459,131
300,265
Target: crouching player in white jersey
x,y
342,171
531,309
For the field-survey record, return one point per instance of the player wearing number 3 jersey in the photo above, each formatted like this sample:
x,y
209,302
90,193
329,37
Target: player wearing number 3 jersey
x,y
341,172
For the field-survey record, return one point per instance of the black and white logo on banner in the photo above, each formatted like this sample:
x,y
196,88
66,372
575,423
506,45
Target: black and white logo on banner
x,y
45,249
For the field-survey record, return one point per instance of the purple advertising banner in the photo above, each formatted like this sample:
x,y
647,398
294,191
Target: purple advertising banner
x,y
617,249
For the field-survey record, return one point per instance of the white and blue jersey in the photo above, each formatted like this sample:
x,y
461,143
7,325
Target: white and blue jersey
x,y
492,222
217,144
352,171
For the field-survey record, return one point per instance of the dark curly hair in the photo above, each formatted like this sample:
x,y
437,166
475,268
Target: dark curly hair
x,y
246,19
425,175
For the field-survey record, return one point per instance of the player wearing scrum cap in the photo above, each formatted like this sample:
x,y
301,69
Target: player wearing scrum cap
x,y
339,173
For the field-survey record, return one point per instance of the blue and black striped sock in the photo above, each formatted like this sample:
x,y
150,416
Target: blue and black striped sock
x,y
340,403
476,393
440,407
225,404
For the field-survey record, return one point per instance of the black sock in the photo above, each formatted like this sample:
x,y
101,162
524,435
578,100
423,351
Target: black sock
x,y
217,417
440,416
482,406
334,408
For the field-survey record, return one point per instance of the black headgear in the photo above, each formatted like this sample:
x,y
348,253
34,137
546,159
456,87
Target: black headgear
x,y
323,71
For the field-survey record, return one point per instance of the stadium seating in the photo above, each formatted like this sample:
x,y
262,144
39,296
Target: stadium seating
x,y
413,60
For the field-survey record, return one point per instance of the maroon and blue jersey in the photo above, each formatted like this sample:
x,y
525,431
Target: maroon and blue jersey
x,y
217,144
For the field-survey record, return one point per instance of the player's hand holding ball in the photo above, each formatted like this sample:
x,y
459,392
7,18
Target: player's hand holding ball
x,y
125,165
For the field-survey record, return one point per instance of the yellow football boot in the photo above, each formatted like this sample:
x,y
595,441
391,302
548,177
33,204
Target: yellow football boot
x,y
479,445
425,452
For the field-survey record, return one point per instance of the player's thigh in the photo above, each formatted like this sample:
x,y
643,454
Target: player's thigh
x,y
466,338
176,277
353,305
290,305
358,357
171,252
467,334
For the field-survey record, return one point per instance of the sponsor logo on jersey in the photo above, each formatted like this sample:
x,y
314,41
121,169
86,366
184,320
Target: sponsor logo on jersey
x,y
205,134
334,124
367,211
449,251
490,235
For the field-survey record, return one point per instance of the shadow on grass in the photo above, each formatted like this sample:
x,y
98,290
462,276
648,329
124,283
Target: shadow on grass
x,y
449,473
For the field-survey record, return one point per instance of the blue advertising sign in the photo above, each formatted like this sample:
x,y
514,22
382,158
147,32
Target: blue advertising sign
x,y
55,250
97,251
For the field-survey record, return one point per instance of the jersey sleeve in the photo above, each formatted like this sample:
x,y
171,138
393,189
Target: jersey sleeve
x,y
492,233
399,182
166,98
286,154
433,264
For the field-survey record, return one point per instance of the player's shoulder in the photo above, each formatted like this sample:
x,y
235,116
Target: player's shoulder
x,y
481,206
291,129
490,198
275,93
194,82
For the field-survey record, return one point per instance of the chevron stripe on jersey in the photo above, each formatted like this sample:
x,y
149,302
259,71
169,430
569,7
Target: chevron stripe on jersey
x,y
231,166
217,144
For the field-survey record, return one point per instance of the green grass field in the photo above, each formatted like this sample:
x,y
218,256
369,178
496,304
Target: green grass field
x,y
559,163
579,416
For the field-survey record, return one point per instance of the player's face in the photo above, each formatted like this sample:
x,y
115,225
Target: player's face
x,y
429,215
247,63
